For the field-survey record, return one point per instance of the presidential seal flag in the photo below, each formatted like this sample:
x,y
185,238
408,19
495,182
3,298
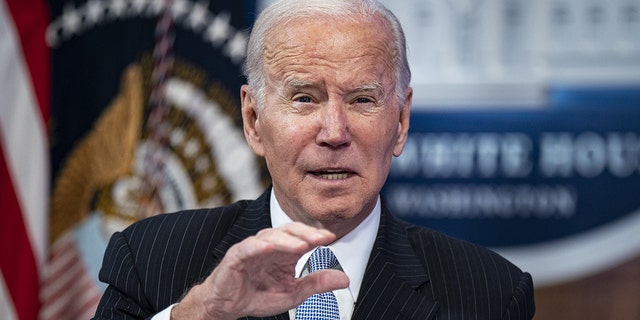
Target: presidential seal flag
x,y
144,119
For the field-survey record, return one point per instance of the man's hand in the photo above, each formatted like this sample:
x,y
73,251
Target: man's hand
x,y
256,277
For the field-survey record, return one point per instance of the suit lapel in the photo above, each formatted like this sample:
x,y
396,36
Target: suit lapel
x,y
392,276
254,218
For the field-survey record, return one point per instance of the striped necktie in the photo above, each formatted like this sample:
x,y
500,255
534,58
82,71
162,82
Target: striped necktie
x,y
320,305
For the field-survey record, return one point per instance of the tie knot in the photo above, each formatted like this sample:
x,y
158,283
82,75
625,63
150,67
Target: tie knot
x,y
322,258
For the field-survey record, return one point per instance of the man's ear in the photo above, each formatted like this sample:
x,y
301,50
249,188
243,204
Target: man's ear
x,y
403,124
250,119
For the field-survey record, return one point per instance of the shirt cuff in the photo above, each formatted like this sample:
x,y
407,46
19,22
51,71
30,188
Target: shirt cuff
x,y
164,314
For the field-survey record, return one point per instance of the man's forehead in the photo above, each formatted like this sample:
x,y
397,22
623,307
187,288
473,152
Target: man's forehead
x,y
326,29
343,53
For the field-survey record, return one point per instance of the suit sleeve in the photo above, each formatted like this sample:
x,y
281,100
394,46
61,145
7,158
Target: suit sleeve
x,y
521,306
124,296
154,262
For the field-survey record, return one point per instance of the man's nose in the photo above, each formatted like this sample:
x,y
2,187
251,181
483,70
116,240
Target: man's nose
x,y
334,126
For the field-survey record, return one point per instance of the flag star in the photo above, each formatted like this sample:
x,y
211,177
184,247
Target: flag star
x,y
198,17
94,12
209,183
219,29
53,34
138,6
237,47
191,148
216,200
117,8
202,164
155,7
179,8
177,137
71,21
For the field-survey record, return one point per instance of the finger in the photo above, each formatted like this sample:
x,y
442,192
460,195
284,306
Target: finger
x,y
284,242
247,249
276,247
296,238
320,282
314,236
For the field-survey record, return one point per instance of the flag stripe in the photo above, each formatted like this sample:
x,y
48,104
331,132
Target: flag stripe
x,y
24,135
31,18
7,312
68,292
25,138
24,176
17,263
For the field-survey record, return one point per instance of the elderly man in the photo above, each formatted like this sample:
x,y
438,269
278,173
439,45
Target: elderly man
x,y
327,105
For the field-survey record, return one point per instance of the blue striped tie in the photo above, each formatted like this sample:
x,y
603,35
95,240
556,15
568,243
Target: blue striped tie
x,y
320,305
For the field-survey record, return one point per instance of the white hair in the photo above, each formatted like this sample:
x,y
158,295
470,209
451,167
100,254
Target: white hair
x,y
281,12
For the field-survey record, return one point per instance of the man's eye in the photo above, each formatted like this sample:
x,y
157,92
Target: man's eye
x,y
363,100
303,99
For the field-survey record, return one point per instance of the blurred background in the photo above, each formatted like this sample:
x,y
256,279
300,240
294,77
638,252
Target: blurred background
x,y
525,137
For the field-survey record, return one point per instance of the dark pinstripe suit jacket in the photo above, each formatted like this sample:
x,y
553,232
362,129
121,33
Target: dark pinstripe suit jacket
x,y
412,273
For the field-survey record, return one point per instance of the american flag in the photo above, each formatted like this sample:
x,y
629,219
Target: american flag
x,y
24,155
61,66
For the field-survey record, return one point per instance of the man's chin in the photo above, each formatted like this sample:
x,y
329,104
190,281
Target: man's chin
x,y
337,218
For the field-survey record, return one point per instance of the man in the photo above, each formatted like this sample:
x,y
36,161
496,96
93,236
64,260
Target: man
x,y
327,105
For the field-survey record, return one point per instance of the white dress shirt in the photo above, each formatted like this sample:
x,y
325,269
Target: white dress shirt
x,y
352,252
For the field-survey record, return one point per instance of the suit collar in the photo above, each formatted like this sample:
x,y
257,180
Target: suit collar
x,y
250,221
394,268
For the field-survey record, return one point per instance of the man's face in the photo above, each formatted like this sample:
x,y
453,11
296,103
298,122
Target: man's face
x,y
331,120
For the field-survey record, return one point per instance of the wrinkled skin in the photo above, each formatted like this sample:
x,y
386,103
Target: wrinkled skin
x,y
331,120
256,277
330,123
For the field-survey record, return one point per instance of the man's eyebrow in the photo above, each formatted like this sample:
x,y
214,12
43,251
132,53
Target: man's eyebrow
x,y
374,86
371,86
298,83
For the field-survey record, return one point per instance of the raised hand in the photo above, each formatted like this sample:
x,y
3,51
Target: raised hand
x,y
256,277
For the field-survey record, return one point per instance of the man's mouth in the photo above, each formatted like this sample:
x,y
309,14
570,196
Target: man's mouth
x,y
332,174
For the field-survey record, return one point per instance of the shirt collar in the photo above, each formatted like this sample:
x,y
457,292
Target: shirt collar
x,y
352,250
